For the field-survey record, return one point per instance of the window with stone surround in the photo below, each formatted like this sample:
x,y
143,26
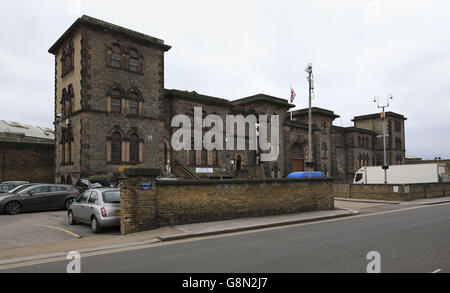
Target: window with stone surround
x,y
116,56
133,61
67,60
134,104
116,101
134,148
116,147
66,146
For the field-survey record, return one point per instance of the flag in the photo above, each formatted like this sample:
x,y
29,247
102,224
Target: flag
x,y
293,95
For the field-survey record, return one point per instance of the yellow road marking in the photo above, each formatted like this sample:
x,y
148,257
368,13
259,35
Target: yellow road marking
x,y
60,229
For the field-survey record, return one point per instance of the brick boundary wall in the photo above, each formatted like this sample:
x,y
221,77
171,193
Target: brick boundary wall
x,y
183,202
406,192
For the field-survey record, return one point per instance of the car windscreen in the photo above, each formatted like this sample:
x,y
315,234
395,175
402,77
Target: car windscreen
x,y
111,196
96,185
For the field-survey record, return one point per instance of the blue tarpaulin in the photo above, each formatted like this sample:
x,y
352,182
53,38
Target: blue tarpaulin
x,y
297,175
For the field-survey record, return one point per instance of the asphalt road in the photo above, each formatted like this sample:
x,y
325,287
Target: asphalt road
x,y
39,228
415,240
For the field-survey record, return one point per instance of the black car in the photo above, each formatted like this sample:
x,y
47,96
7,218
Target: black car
x,y
9,185
91,183
38,197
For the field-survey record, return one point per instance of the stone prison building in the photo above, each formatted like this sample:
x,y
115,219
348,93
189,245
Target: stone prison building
x,y
112,112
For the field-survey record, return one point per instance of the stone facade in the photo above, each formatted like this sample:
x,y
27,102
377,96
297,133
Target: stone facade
x,y
112,112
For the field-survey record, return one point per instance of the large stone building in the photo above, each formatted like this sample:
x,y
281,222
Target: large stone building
x,y
113,112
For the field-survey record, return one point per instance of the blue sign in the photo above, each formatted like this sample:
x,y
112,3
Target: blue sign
x,y
147,186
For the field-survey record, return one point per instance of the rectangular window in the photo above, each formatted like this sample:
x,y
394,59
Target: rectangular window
x,y
116,105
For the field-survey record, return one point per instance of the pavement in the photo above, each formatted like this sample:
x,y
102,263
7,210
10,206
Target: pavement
x,y
50,242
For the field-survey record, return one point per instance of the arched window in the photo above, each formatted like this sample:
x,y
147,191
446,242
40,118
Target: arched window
x,y
325,170
116,147
134,104
134,148
275,171
238,162
133,60
192,155
63,102
116,56
324,151
116,101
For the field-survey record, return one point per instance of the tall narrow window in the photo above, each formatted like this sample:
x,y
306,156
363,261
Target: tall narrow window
x,y
134,104
116,56
116,101
215,158
204,157
63,102
134,148
116,147
133,61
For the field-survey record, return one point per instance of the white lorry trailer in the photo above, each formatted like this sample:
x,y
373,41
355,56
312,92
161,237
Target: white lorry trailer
x,y
401,174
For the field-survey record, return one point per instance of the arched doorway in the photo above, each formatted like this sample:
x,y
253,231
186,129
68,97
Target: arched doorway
x,y
275,171
297,156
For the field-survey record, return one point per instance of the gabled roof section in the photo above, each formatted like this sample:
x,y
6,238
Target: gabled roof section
x,y
315,110
299,124
87,20
196,97
354,129
262,98
378,115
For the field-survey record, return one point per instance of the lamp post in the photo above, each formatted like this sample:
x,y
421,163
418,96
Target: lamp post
x,y
383,117
310,162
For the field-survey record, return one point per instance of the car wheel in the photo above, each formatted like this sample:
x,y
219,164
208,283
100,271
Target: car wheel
x,y
68,203
95,226
13,208
71,219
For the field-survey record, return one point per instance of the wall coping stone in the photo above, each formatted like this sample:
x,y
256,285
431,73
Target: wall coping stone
x,y
240,181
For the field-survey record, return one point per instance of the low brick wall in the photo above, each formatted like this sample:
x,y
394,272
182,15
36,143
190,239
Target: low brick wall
x,y
405,192
183,202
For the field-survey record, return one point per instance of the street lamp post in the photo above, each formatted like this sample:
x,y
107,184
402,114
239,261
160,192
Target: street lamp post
x,y
383,117
311,88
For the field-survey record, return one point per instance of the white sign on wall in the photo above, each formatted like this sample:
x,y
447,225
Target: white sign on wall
x,y
204,170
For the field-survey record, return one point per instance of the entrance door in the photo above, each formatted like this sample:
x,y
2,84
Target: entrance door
x,y
298,165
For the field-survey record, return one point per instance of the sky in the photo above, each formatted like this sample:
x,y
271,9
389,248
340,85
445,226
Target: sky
x,y
233,49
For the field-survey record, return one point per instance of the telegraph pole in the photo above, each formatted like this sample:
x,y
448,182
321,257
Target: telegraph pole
x,y
310,162
383,118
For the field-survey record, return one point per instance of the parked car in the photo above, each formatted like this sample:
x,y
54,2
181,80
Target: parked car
x,y
91,183
38,197
7,186
98,208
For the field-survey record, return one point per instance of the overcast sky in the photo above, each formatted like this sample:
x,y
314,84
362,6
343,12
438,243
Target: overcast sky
x,y
233,49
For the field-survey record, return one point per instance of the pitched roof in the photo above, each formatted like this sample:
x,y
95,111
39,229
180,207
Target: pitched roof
x,y
315,110
377,115
262,97
88,20
196,97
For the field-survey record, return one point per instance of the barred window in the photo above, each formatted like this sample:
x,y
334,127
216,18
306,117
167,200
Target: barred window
x,y
133,61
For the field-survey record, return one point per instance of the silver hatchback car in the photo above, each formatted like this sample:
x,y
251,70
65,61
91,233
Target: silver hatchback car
x,y
97,207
